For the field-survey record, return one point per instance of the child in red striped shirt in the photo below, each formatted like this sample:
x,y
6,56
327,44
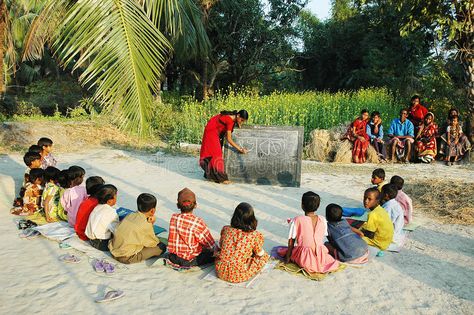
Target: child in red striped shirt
x,y
190,242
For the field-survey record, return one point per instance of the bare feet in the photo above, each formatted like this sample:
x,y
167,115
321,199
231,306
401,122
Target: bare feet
x,y
226,182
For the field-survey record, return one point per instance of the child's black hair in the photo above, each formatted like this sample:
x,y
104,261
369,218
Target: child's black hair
x,y
74,173
146,202
35,174
35,148
379,172
44,142
414,97
375,191
63,179
93,184
51,173
397,181
244,218
105,193
29,157
390,190
364,111
333,212
375,113
310,201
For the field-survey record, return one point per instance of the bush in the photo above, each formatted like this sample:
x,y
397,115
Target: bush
x,y
313,110
27,109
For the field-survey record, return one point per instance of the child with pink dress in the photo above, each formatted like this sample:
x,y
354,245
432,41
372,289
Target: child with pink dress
x,y
75,195
306,238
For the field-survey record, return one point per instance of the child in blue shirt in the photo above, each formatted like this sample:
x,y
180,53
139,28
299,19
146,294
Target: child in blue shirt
x,y
344,244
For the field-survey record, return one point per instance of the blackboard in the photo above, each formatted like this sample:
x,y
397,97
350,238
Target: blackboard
x,y
274,156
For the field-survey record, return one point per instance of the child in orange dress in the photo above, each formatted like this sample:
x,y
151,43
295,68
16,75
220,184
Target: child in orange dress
x,y
241,256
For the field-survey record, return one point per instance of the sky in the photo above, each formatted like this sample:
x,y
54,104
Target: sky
x,y
320,8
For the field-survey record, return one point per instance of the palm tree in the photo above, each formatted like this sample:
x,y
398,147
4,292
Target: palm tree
x,y
121,46
15,19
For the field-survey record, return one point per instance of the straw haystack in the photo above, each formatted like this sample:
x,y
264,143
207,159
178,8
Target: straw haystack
x,y
326,146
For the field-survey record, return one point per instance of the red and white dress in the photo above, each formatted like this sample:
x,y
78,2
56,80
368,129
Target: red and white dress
x,y
241,255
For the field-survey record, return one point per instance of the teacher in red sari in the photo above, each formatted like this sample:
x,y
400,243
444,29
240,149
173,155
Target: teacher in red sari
x,y
218,128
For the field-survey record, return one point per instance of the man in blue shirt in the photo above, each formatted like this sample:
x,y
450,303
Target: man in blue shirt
x,y
401,134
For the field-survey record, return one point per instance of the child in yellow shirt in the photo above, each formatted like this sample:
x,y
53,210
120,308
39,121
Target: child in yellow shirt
x,y
378,230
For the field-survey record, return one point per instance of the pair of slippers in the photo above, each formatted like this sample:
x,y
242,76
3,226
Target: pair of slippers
x,y
29,234
69,258
102,265
25,224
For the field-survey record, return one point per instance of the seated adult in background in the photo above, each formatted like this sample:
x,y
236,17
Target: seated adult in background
x,y
375,133
357,134
417,113
454,143
425,141
461,146
401,134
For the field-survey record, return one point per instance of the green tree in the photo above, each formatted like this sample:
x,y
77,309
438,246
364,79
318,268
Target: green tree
x,y
120,48
452,22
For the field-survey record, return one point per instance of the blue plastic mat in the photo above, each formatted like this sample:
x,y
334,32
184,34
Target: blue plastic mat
x,y
123,212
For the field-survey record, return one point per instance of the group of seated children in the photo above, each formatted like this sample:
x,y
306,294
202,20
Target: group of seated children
x,y
239,255
384,226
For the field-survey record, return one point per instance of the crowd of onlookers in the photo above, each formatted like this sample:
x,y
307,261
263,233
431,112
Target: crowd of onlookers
x,y
414,136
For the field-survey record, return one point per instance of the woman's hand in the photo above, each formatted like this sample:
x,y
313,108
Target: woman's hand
x,y
243,150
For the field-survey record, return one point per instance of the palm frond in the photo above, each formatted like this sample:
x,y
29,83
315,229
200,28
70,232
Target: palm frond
x,y
123,54
165,14
193,41
42,30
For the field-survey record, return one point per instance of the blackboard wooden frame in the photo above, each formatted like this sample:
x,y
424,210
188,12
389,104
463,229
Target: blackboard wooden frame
x,y
268,162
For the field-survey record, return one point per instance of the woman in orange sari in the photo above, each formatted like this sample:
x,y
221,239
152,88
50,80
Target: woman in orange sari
x,y
425,140
357,134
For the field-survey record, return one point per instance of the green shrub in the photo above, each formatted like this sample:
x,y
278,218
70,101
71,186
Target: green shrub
x,y
313,110
25,108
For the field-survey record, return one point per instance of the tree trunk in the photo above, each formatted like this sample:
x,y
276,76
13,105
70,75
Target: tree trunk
x,y
468,66
205,80
3,12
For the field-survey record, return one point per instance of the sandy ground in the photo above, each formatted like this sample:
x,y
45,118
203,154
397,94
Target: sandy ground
x,y
434,273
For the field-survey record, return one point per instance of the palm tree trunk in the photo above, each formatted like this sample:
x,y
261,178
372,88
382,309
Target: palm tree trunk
x,y
3,12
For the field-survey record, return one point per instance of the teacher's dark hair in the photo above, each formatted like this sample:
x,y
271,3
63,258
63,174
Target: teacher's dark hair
x,y
242,113
244,218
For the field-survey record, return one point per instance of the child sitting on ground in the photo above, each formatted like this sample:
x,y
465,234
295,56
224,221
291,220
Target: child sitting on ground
x,y
32,196
75,195
306,238
344,244
394,210
93,184
46,146
377,232
63,184
241,253
403,199
103,219
32,160
50,197
134,239
378,178
190,242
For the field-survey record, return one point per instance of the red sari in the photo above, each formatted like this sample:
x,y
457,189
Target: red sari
x,y
360,147
211,160
426,141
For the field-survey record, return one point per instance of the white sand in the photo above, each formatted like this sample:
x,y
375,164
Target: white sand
x,y
433,274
